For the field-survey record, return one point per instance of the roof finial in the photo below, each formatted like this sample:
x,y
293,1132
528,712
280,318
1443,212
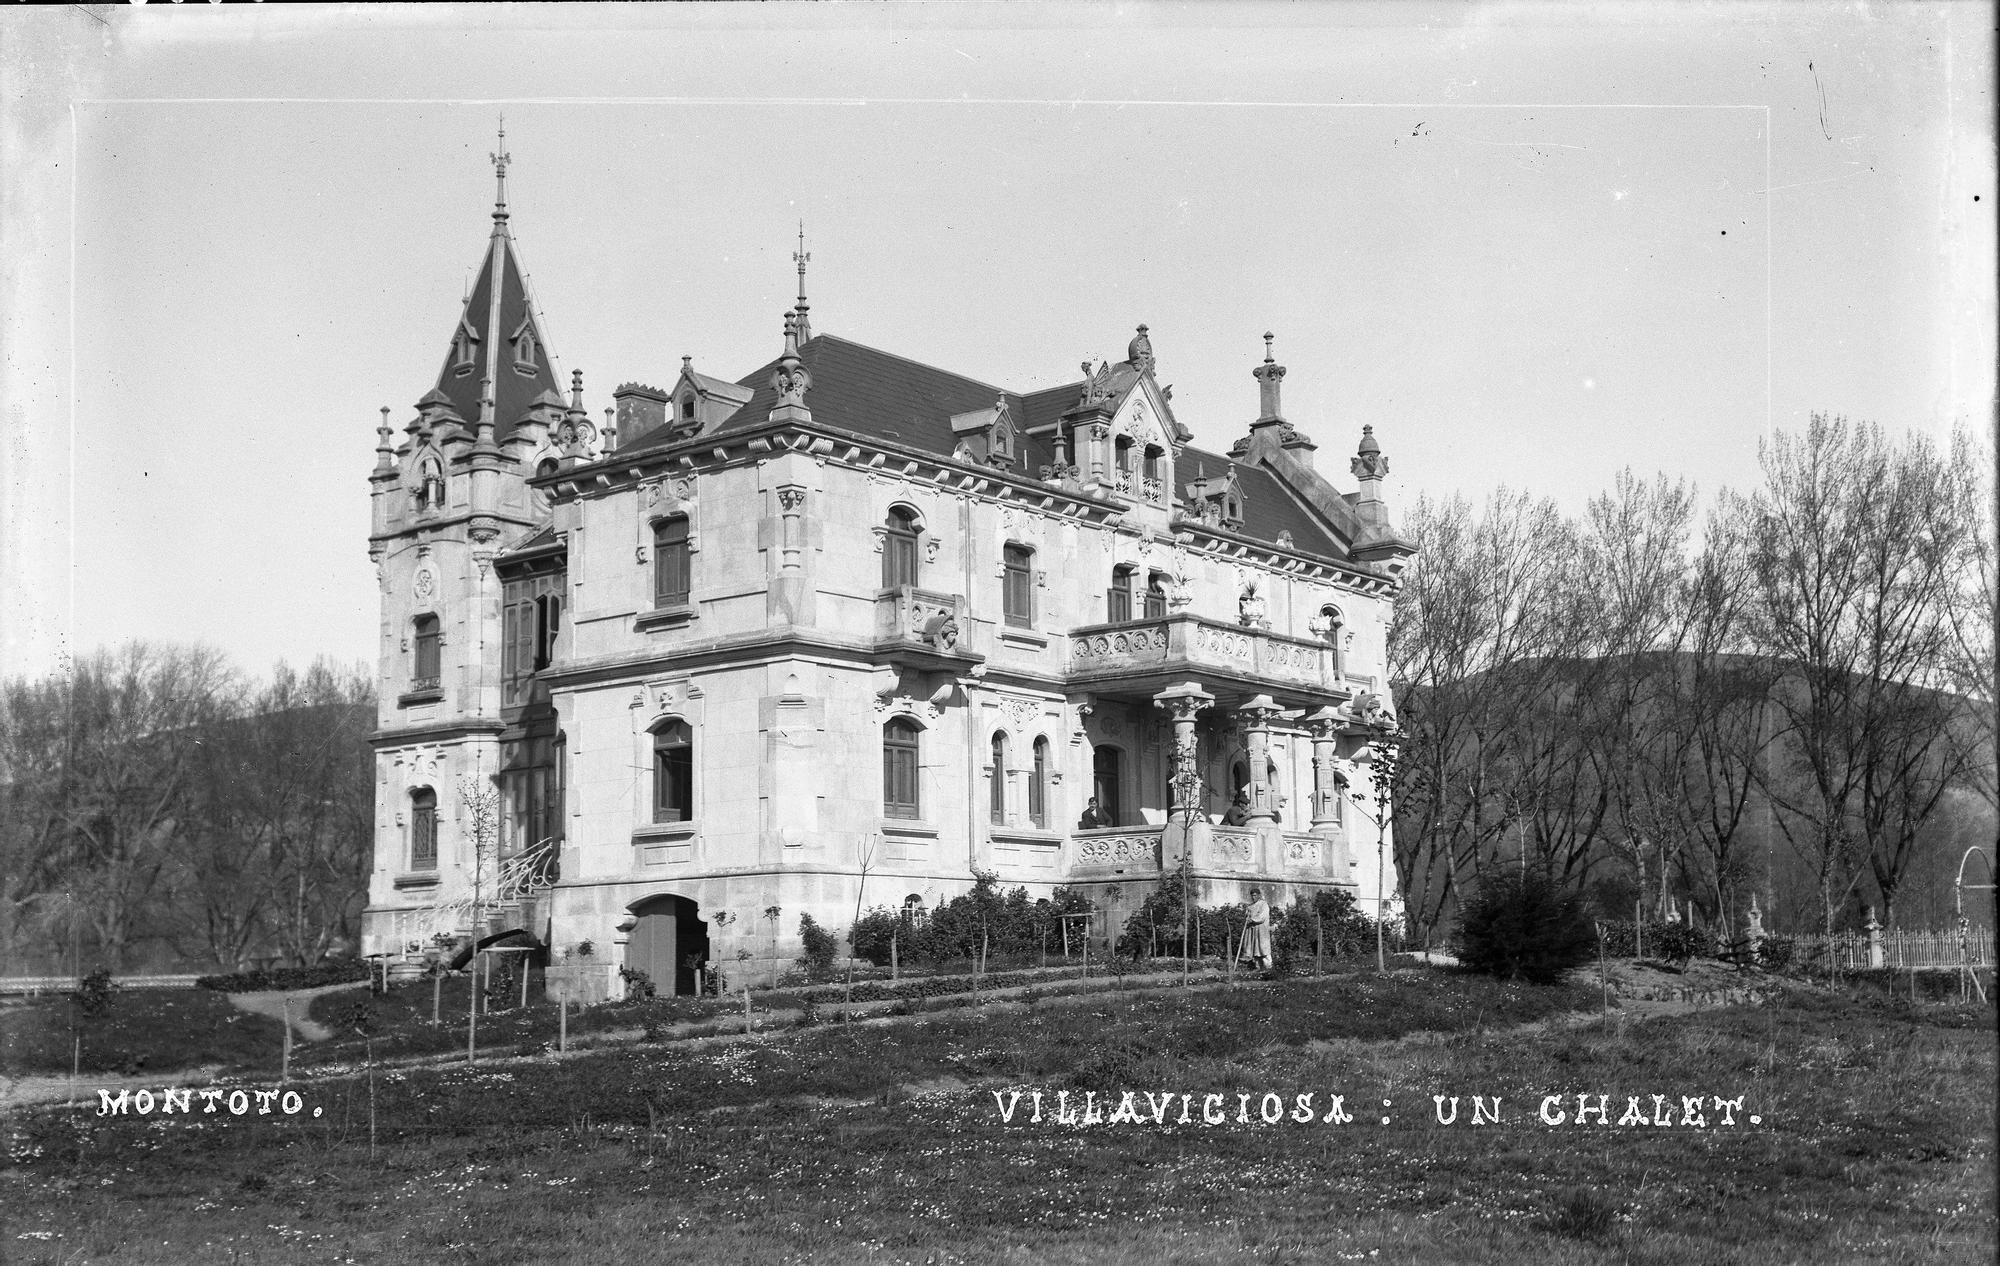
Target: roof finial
x,y
1267,347
1268,375
801,256
500,159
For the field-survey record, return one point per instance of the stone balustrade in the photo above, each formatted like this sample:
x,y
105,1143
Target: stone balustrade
x,y
1177,643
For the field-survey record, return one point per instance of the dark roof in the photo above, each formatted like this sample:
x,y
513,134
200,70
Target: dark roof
x,y
514,390
1269,507
884,396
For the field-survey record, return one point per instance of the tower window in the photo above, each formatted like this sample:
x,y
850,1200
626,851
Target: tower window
x,y
425,671
423,829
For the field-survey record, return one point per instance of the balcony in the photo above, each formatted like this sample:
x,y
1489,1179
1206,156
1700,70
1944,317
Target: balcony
x,y
1140,852
1149,654
923,629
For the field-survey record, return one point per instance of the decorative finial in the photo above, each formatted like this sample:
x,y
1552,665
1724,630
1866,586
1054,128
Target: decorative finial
x,y
791,378
576,389
1269,375
801,256
500,159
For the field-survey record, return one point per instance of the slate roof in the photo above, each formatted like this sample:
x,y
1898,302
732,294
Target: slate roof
x,y
514,390
884,396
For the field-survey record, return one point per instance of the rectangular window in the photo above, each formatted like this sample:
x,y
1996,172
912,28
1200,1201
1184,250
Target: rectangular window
x,y
1018,593
671,572
899,770
1156,596
1038,786
899,549
997,796
673,773
1118,599
423,830
427,643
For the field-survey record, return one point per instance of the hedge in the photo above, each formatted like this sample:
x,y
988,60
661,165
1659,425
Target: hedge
x,y
286,977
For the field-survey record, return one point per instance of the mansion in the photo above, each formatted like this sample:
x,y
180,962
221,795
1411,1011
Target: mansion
x,y
848,627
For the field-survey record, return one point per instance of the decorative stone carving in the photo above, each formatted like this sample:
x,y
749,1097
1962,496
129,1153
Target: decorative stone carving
x,y
1118,850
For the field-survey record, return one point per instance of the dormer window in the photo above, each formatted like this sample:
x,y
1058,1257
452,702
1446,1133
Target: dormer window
x,y
525,346
1003,443
687,409
464,349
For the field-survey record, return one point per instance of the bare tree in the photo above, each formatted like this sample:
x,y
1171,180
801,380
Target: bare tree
x,y
1857,547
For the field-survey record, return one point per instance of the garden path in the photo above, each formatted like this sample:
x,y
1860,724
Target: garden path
x,y
272,1003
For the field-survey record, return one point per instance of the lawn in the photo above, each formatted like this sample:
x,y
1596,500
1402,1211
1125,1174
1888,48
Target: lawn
x,y
883,1142
141,1031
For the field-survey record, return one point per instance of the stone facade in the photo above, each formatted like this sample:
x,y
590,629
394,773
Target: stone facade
x,y
707,664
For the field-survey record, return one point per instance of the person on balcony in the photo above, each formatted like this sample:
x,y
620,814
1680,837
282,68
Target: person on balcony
x,y
1093,817
1238,811
1257,931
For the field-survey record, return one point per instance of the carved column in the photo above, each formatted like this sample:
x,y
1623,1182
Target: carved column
x,y
1324,726
791,537
1257,716
1182,703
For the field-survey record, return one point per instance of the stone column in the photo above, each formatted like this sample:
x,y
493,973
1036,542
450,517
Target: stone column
x,y
1324,726
791,537
1182,703
1257,717
1186,834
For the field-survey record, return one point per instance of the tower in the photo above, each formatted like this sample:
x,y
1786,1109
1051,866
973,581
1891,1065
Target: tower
x,y
447,498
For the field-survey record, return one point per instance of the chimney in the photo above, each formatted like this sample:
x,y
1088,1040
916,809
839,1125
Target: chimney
x,y
640,409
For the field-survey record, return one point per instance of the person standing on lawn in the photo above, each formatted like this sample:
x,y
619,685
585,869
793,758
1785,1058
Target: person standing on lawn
x,y
1257,931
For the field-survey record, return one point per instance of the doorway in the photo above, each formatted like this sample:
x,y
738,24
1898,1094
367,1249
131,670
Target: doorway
x,y
670,932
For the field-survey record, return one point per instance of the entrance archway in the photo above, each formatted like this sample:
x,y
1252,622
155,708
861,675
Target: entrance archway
x,y
670,932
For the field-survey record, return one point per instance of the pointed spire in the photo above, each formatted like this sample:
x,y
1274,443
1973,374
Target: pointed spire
x,y
500,159
801,256
1268,376
498,366
385,449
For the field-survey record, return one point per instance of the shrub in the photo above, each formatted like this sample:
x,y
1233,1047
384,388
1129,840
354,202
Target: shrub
x,y
1341,929
1524,927
1584,1215
638,985
1773,952
287,977
820,948
92,996
1677,943
356,1015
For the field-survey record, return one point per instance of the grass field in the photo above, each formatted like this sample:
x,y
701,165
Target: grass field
x,y
143,1030
883,1143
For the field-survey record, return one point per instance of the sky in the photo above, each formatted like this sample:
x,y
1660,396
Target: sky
x,y
1530,245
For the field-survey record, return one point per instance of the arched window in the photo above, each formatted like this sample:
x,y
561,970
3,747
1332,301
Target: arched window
x,y
899,548
1118,599
423,829
899,769
997,795
547,466
1038,786
672,572
673,772
425,671
913,908
1156,595
1017,596
1106,784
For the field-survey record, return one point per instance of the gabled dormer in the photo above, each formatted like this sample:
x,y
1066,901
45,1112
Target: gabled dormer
x,y
1217,499
1121,434
988,435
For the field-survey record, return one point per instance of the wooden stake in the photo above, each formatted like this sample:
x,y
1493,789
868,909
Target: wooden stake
x,y
524,982
285,1066
371,1098
437,995
746,1008
562,1026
